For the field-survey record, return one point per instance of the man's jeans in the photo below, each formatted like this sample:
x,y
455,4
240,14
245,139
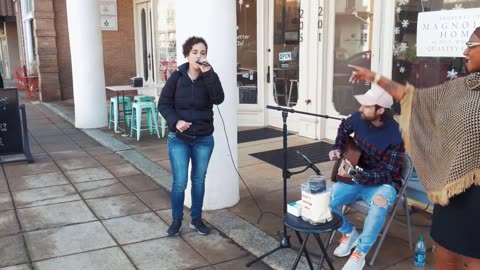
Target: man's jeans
x,y
343,194
181,153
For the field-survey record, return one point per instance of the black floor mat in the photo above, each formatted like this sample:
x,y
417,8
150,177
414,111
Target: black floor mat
x,y
258,134
316,152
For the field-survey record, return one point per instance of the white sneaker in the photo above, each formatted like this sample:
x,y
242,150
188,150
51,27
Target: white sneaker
x,y
347,243
356,261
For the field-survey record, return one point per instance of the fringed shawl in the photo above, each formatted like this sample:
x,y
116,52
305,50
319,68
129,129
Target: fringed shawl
x,y
441,130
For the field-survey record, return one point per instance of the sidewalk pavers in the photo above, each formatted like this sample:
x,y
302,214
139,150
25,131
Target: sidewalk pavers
x,y
83,206
124,172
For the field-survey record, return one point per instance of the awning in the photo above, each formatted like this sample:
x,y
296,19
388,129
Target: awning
x,y
6,8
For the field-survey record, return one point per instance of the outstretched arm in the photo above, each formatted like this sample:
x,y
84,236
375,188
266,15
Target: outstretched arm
x,y
395,89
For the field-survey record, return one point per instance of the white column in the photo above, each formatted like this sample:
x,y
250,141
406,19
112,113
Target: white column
x,y
86,51
215,20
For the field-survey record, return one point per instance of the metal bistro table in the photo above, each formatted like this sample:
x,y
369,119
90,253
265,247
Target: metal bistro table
x,y
120,89
298,225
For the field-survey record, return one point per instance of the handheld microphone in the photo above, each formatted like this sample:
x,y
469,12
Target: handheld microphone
x,y
203,63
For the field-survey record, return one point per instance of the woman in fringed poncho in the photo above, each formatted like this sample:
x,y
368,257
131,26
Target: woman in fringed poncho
x,y
441,129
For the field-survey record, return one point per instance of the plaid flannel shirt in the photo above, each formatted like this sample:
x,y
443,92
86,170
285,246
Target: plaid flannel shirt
x,y
379,166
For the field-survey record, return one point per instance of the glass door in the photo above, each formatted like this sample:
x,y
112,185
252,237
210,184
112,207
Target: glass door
x,y
144,50
165,40
247,68
286,21
286,44
353,31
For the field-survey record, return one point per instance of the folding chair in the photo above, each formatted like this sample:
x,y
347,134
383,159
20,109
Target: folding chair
x,y
363,206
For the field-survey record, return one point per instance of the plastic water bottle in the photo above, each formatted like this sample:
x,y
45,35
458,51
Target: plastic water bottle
x,y
420,251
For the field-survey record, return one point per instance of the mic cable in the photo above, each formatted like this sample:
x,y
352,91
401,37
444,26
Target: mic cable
x,y
241,178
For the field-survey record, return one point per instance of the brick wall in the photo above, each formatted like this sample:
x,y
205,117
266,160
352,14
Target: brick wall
x,y
63,48
118,48
46,50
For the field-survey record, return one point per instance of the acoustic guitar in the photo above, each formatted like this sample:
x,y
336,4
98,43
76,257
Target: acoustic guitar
x,y
351,152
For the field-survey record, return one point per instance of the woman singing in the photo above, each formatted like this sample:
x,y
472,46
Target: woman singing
x,y
186,102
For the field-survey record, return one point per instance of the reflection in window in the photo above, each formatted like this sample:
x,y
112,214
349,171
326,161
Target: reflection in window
x,y
422,71
247,51
165,37
353,32
143,21
32,37
287,24
27,6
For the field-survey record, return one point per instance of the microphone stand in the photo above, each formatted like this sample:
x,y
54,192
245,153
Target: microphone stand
x,y
285,241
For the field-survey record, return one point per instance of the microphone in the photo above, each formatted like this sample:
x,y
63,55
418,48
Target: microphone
x,y
310,163
203,63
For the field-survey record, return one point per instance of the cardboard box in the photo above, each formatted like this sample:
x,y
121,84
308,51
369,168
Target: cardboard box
x,y
295,208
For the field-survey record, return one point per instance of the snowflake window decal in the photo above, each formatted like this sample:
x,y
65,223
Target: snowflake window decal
x,y
403,46
396,30
452,74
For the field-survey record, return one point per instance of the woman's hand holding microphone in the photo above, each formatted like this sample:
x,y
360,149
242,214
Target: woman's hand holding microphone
x,y
203,65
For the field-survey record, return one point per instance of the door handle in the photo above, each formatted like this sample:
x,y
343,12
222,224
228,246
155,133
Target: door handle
x,y
268,74
149,61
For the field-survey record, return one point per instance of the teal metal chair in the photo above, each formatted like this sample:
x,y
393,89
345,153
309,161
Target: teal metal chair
x,y
163,122
147,104
114,115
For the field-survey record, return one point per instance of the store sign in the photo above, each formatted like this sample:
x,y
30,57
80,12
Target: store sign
x,y
108,15
241,39
285,56
444,33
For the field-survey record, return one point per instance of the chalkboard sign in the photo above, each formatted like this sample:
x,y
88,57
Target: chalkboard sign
x,y
13,127
10,125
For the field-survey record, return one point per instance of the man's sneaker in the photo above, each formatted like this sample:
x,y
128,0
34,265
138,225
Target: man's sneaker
x,y
174,229
356,261
198,225
347,243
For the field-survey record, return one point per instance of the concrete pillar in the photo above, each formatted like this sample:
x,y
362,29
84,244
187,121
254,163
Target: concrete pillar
x,y
87,63
215,21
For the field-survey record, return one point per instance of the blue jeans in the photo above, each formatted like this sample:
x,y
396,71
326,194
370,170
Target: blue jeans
x,y
343,194
181,153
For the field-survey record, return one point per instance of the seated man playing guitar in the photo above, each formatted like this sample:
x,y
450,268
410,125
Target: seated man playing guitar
x,y
373,174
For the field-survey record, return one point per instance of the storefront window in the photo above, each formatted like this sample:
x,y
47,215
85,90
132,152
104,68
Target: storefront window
x,y
287,23
247,51
424,71
165,37
353,43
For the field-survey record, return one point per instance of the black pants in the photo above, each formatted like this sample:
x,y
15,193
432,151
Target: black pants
x,y
456,226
